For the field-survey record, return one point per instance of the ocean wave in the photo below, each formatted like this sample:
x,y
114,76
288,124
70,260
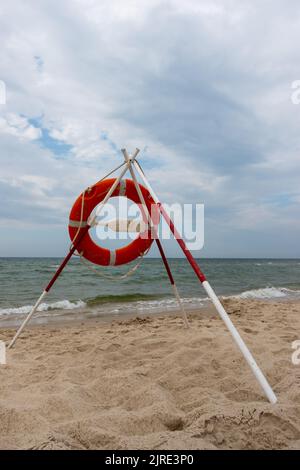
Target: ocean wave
x,y
44,307
147,302
122,298
268,293
119,303
171,303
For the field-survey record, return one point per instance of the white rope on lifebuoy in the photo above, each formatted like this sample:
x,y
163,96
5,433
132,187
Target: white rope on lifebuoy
x,y
114,278
112,257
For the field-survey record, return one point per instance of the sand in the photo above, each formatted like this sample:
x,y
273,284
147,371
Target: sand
x,y
148,383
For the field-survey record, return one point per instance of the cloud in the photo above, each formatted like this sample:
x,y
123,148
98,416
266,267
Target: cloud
x,y
18,126
204,88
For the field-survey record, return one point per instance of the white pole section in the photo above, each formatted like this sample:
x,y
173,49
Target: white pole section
x,y
138,189
92,220
33,310
223,314
183,312
146,182
240,343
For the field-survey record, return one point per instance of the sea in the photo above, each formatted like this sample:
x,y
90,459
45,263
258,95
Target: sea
x,y
147,290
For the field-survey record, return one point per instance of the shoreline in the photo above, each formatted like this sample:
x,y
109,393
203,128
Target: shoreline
x,y
92,314
89,316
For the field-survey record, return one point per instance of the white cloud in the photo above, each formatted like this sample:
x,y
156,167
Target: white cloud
x,y
14,124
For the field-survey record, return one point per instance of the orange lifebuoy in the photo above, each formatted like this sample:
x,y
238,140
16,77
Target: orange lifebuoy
x,y
81,211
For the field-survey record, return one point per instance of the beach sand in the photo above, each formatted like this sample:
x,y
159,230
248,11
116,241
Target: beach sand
x,y
148,383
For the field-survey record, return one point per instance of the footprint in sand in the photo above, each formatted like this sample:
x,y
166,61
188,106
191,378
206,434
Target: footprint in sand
x,y
252,332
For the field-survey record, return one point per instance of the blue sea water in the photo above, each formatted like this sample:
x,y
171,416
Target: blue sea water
x,y
23,279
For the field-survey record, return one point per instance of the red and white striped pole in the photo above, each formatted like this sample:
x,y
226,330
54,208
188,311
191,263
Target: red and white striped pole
x,y
147,215
211,294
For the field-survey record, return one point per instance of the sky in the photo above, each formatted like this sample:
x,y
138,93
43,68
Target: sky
x,y
205,88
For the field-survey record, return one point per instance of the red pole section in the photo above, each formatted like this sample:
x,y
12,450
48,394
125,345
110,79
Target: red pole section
x,y
67,258
182,244
162,254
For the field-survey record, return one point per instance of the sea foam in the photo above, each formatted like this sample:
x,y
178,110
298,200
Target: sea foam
x,y
59,305
268,293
